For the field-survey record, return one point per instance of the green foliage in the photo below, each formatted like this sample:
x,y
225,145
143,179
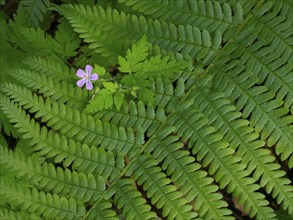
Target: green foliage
x,y
35,9
191,116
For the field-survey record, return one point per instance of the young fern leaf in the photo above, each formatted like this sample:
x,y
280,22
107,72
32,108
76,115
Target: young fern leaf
x,y
137,54
106,98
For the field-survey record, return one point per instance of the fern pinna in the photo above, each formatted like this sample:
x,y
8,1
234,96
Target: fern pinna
x,y
189,117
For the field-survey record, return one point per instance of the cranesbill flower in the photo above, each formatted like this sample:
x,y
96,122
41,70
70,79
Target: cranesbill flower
x,y
87,77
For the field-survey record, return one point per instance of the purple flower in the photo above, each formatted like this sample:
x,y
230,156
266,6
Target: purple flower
x,y
87,77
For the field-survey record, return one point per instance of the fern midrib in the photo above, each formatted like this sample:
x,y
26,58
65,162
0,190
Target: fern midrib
x,y
265,24
259,60
252,156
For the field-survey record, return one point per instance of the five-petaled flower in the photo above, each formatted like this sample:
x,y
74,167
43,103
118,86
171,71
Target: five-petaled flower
x,y
87,77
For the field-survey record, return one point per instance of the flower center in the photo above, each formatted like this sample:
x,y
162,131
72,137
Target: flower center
x,y
86,77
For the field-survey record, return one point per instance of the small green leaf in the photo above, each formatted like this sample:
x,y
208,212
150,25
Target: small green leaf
x,y
99,70
128,81
135,55
112,87
118,99
103,100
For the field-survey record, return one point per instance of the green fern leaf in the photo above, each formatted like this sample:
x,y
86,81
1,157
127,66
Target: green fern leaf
x,y
196,44
82,157
207,15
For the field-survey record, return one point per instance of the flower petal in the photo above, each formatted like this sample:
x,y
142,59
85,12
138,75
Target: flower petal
x,y
88,69
89,85
80,73
93,76
81,82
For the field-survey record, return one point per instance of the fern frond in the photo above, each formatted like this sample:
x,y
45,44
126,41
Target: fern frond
x,y
266,113
60,92
50,67
38,202
66,40
81,157
130,200
10,214
186,174
165,195
35,9
190,41
41,44
46,177
223,115
213,151
202,14
76,125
